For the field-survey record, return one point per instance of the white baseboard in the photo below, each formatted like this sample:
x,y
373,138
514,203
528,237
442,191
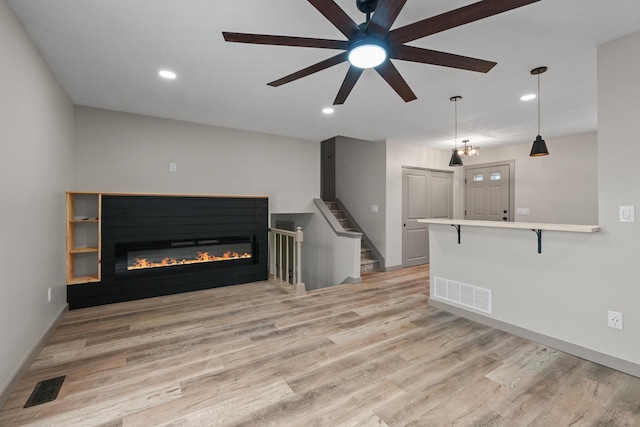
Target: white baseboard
x,y
30,357
576,350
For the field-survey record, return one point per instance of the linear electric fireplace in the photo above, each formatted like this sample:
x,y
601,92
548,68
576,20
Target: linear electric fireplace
x,y
153,245
183,255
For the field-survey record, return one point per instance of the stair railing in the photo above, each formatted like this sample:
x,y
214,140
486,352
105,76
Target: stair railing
x,y
285,257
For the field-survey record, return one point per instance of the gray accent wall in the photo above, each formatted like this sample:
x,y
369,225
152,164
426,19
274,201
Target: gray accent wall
x,y
360,184
36,133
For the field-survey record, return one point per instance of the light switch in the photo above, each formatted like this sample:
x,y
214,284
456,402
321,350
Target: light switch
x,y
172,167
374,208
522,211
627,214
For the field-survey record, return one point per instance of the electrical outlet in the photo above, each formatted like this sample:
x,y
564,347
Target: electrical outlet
x,y
173,167
614,319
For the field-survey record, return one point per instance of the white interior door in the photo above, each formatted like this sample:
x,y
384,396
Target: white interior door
x,y
425,194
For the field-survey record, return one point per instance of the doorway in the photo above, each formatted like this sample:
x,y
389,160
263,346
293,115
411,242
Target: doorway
x,y
489,191
426,193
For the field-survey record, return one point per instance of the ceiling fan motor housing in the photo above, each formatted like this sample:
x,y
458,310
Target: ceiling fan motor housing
x,y
366,6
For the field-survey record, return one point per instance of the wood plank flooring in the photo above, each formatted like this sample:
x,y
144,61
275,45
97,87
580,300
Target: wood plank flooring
x,y
371,354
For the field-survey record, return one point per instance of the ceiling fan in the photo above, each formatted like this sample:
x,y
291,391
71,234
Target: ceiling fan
x,y
373,38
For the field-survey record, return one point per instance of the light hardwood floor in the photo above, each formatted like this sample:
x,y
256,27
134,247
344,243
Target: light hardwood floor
x,y
372,354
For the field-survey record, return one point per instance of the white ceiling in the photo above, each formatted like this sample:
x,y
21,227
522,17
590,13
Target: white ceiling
x,y
106,54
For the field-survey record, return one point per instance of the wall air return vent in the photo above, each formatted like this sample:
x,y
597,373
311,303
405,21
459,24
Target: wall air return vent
x,y
466,295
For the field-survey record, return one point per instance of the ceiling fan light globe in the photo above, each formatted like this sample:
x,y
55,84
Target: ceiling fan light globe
x,y
367,55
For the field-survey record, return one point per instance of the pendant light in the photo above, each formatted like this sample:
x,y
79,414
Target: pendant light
x,y
456,160
539,147
469,150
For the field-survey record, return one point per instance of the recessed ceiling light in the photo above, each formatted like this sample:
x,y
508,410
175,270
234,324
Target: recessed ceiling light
x,y
167,74
528,97
328,110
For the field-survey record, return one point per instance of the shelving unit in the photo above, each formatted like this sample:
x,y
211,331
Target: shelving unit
x,y
83,237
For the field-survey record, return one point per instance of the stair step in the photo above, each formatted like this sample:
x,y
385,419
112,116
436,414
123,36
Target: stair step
x,y
331,205
368,265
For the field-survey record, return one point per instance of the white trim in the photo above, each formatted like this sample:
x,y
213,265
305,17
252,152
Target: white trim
x,y
31,357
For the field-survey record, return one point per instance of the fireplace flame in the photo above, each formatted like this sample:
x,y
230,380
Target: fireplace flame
x,y
142,263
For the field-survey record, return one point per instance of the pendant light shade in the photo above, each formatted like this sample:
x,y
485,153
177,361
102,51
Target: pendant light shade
x,y
456,160
539,147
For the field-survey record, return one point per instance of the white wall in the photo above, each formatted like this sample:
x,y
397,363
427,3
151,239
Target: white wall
x,y
120,152
327,258
565,292
560,188
360,183
36,133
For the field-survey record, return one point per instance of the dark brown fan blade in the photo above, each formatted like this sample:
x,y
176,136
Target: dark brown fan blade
x,y
349,82
338,18
453,18
285,41
335,60
383,18
392,76
434,57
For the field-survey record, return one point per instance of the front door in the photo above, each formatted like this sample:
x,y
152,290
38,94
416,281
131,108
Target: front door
x,y
425,194
487,190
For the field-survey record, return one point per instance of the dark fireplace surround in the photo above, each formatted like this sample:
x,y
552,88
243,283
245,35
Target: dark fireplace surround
x,y
162,245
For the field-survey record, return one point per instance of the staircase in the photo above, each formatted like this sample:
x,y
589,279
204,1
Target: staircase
x,y
368,262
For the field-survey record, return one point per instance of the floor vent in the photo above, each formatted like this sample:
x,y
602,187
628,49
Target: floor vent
x,y
463,294
45,391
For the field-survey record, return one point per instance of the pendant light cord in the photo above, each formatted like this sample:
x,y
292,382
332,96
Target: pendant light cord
x,y
455,138
538,104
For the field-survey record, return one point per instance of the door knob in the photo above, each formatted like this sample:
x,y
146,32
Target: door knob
x,y
504,218
504,211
